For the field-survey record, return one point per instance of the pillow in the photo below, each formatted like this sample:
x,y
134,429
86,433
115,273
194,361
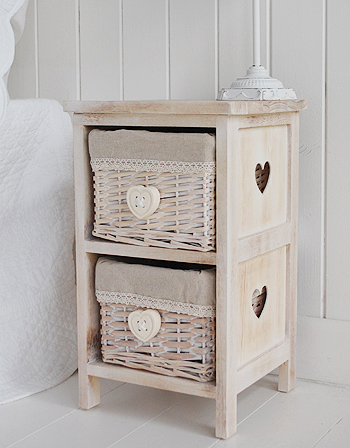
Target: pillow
x,y
12,20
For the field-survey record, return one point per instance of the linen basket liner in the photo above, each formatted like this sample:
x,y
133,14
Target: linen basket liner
x,y
107,297
191,150
174,290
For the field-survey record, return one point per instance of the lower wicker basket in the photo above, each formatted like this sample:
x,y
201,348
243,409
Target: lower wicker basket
x,y
184,346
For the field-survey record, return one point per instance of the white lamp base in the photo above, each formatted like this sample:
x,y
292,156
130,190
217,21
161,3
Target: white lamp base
x,y
257,85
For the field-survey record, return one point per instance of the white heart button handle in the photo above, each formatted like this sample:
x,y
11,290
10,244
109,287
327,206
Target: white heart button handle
x,y
144,325
142,201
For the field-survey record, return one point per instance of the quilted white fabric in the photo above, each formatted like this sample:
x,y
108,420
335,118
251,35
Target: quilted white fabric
x,y
37,281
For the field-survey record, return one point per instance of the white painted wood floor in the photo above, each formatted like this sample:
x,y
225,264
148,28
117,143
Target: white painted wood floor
x,y
312,415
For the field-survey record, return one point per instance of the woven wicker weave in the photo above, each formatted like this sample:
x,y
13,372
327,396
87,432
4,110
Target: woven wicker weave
x,y
185,218
184,346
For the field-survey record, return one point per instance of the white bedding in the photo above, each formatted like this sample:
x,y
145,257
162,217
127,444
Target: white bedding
x,y
37,281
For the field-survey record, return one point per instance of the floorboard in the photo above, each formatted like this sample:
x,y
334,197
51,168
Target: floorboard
x,y
21,418
312,416
295,420
338,436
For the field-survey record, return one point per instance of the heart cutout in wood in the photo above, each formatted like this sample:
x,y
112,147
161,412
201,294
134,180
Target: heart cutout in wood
x,y
259,300
262,176
144,324
142,201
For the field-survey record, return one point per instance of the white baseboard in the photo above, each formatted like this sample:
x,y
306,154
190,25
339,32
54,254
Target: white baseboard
x,y
323,352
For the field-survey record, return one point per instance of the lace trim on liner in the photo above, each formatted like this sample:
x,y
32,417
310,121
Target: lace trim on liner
x,y
170,306
158,166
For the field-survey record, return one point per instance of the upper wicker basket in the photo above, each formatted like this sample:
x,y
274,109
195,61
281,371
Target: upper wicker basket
x,y
181,166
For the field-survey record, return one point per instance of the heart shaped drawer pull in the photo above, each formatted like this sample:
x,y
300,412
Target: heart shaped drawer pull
x,y
144,324
142,201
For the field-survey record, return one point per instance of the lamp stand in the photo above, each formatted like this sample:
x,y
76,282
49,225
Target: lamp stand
x,y
257,84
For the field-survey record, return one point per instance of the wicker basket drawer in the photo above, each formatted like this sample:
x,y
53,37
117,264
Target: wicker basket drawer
x,y
157,319
154,188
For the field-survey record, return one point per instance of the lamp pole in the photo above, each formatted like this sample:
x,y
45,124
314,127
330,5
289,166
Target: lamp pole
x,y
256,33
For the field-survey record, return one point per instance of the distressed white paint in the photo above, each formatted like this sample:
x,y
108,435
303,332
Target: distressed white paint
x,y
124,49
192,49
100,49
145,33
57,22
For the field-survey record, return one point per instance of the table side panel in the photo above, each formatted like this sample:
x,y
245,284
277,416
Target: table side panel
x,y
267,149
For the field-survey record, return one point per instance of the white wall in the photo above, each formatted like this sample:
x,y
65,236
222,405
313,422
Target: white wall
x,y
189,49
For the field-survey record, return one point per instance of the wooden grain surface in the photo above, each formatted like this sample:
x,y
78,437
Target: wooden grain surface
x,y
87,306
257,335
226,277
100,246
119,373
185,107
262,145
